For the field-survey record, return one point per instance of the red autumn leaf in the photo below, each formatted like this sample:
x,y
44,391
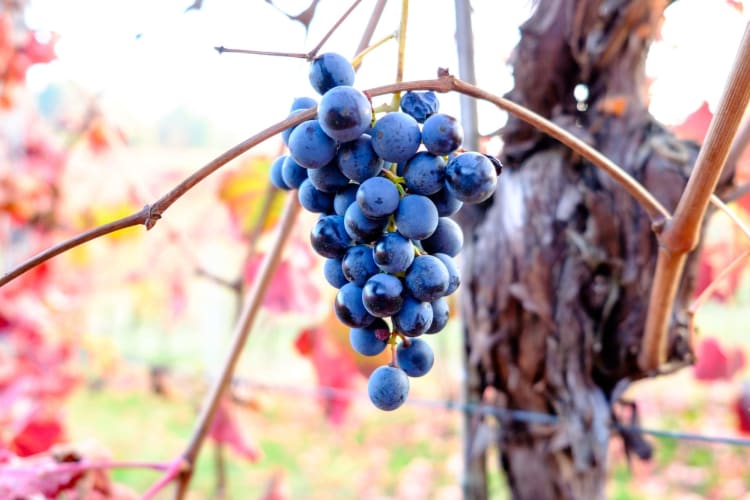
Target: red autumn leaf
x,y
36,436
713,363
225,430
334,367
742,409
695,126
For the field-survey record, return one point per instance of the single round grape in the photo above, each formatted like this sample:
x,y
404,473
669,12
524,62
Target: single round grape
x,y
345,197
420,105
333,273
303,103
382,295
344,113
310,146
275,173
330,70
288,131
416,217
393,253
442,134
329,237
361,228
448,238
427,279
368,341
424,173
358,161
378,197
440,315
314,200
414,318
471,177
292,173
358,264
416,358
349,308
454,277
396,137
446,203
388,387
328,179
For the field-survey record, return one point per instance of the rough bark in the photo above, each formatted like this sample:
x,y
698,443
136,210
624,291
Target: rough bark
x,y
560,262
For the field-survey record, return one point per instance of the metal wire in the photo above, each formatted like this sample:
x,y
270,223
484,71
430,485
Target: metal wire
x,y
530,417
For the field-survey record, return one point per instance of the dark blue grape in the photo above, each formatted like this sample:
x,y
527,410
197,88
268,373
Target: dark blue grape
x,y
427,279
303,103
416,217
276,177
358,161
424,173
344,113
414,318
361,228
330,70
440,314
333,273
420,105
454,277
446,203
471,177
442,134
358,264
415,358
345,197
314,200
382,295
349,308
329,238
393,253
292,173
388,387
447,238
328,179
310,146
378,197
396,137
368,341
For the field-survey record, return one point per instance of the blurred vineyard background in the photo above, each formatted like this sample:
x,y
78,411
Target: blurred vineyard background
x,y
106,352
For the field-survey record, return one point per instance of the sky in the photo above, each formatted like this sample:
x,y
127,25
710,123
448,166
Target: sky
x,y
146,58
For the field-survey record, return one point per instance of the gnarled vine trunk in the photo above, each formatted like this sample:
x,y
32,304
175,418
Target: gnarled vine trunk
x,y
560,263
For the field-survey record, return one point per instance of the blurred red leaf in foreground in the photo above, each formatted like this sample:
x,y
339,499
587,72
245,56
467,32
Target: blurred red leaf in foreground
x,y
224,430
715,363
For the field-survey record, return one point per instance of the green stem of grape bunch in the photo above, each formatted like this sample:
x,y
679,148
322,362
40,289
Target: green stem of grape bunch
x,y
401,50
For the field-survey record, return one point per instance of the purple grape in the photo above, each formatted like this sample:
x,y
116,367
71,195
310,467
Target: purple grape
x,y
292,173
367,341
420,105
393,253
416,217
382,295
344,113
414,318
358,161
349,308
358,264
440,315
416,358
446,203
454,277
388,387
396,137
361,228
448,238
442,134
314,200
277,178
310,146
378,197
329,238
302,103
330,70
345,197
471,177
424,173
328,179
333,273
427,279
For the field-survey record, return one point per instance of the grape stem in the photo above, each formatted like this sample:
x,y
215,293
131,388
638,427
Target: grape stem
x,y
401,50
357,61
396,179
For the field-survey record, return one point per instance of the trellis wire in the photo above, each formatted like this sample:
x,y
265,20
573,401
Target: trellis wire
x,y
530,417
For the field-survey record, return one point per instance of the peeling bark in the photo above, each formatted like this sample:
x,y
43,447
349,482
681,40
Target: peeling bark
x,y
559,264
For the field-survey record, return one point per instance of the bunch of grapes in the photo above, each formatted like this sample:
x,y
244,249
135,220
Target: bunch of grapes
x,y
385,189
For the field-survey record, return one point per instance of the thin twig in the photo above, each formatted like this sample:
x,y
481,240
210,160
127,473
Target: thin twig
x,y
241,332
316,49
357,61
681,234
737,192
364,42
222,50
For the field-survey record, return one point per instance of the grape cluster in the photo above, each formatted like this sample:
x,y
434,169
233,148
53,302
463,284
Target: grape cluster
x,y
385,189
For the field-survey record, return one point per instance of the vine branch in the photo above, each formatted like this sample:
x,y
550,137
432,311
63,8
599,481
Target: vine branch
x,y
680,235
